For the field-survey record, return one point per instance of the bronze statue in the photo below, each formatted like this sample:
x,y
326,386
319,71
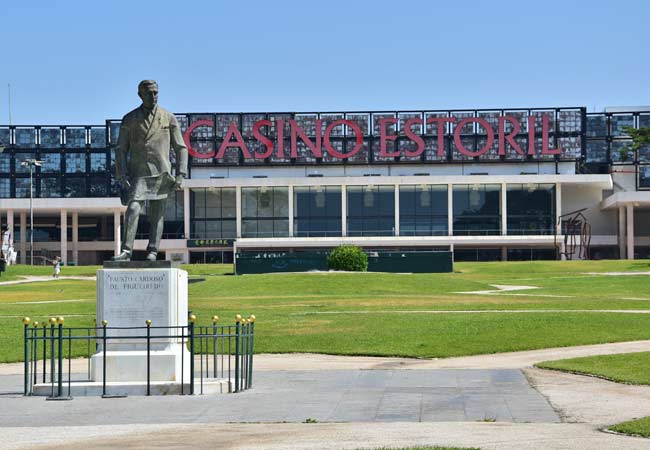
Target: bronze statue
x,y
143,168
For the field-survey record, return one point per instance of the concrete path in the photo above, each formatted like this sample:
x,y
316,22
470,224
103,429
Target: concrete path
x,y
335,436
33,279
390,402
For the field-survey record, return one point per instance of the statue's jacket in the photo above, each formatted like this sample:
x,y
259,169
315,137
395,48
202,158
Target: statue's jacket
x,y
142,153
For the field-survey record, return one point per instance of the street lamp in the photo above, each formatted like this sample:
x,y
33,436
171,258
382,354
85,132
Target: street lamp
x,y
31,163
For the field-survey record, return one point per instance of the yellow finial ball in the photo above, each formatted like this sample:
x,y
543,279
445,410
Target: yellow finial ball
x,y
251,318
148,322
104,322
192,318
35,323
60,320
52,320
238,318
215,319
26,320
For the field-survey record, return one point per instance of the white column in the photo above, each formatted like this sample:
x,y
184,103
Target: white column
x,y
290,210
397,210
239,211
450,210
630,231
117,232
504,210
344,211
621,232
23,237
75,237
558,208
64,237
504,253
186,212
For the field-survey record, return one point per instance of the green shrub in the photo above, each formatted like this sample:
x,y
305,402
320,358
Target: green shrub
x,y
348,257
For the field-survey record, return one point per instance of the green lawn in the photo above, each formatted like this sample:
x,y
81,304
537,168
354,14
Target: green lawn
x,y
639,427
380,314
631,368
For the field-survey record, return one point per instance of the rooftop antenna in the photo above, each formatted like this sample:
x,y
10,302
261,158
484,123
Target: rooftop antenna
x,y
9,90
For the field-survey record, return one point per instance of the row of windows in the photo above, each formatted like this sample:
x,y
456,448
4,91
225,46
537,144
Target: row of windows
x,y
53,137
55,186
51,162
423,211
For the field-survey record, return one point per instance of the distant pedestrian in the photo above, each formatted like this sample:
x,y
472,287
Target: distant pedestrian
x,y
57,267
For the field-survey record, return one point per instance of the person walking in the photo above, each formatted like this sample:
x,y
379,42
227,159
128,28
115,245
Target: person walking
x,y
57,267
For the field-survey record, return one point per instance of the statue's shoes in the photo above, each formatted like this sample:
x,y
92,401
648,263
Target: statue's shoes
x,y
124,256
152,256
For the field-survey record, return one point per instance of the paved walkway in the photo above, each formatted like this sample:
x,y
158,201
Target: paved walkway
x,y
33,279
381,402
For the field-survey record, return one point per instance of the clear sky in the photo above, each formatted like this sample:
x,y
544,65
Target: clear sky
x,y
79,62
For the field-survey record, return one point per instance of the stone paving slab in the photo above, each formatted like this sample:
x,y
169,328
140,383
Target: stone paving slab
x,y
294,396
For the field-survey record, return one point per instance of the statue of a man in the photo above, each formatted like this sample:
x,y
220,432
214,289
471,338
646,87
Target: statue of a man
x,y
143,168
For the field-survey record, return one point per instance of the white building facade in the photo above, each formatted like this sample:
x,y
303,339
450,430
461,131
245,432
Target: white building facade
x,y
501,184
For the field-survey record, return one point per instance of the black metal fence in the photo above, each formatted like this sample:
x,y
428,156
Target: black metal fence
x,y
214,352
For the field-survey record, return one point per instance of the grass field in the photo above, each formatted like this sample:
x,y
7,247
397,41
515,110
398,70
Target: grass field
x,y
417,315
630,368
638,427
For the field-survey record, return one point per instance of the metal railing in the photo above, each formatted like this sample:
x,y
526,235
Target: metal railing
x,y
215,352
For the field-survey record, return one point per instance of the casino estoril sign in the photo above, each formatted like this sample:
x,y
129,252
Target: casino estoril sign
x,y
507,129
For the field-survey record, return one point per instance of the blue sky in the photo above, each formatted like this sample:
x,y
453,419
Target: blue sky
x,y
79,62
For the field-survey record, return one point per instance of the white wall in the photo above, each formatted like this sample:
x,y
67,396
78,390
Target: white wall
x,y
578,196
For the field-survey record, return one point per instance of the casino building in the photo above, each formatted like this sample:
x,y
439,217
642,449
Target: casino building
x,y
497,184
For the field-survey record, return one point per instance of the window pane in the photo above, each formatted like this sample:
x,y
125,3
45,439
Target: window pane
x,y
75,187
98,162
75,163
531,209
51,187
476,209
5,187
75,137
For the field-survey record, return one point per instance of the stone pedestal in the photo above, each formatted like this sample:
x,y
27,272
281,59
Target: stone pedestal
x,y
129,293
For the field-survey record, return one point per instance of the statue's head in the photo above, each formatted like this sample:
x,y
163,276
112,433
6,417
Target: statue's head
x,y
148,92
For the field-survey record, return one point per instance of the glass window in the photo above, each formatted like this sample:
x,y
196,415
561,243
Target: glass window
x,y
644,177
51,163
5,188
596,125
98,137
50,137
75,137
50,187
597,150
213,213
618,123
5,163
5,137
98,186
18,160
477,209
371,210
25,137
423,210
75,163
22,188
265,212
531,208
98,162
317,211
75,187
621,151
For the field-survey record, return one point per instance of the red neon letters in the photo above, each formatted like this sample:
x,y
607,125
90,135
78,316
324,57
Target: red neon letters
x,y
321,139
